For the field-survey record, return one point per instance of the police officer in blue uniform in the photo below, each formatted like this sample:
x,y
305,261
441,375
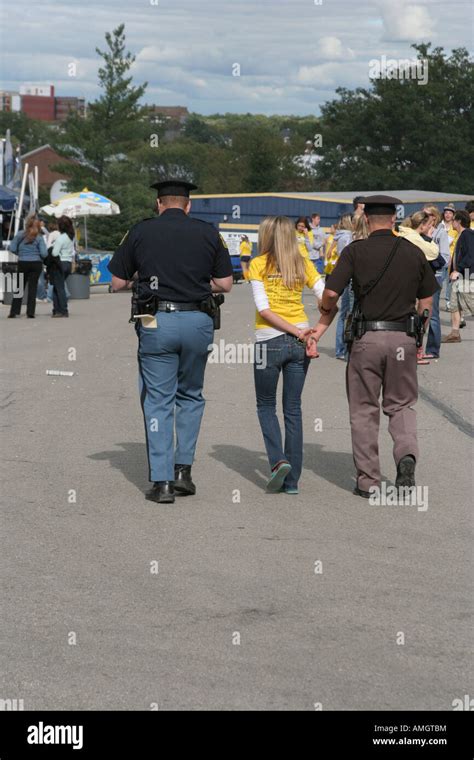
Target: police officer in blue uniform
x,y
174,264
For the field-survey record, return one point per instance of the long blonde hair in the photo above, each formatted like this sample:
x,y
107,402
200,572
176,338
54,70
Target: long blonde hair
x,y
345,222
360,228
277,239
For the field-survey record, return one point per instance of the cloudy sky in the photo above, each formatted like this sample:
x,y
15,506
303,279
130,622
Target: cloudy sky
x,y
292,54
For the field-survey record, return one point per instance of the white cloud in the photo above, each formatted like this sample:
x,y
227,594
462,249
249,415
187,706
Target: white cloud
x,y
406,23
292,54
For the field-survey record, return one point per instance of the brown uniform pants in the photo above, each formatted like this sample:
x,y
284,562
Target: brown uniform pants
x,y
381,361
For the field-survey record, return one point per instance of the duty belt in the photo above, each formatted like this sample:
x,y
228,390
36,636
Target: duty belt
x,y
172,306
390,326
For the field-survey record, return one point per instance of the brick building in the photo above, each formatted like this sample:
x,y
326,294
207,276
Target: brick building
x,y
44,158
170,113
66,105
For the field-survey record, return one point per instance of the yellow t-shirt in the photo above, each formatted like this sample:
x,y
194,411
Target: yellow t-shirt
x,y
331,255
286,302
245,248
301,239
453,239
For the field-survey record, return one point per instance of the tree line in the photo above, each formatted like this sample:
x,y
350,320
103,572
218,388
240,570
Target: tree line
x,y
393,134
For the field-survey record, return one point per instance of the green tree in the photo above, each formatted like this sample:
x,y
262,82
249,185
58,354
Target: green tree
x,y
25,133
400,133
105,142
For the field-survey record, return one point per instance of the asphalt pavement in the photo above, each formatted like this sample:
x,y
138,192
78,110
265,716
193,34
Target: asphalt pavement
x,y
233,599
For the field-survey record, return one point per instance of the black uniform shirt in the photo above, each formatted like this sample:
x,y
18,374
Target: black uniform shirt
x,y
408,277
183,253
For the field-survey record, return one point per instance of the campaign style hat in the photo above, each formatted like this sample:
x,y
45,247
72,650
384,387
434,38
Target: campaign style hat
x,y
174,187
380,204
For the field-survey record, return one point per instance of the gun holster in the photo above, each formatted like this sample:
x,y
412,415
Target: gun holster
x,y
416,326
212,306
354,325
142,304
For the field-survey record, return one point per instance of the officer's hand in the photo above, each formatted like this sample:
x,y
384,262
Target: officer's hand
x,y
312,348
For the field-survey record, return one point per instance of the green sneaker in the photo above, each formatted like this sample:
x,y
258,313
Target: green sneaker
x,y
279,473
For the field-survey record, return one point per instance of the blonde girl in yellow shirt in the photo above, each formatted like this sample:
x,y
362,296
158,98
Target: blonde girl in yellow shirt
x,y
278,275
245,251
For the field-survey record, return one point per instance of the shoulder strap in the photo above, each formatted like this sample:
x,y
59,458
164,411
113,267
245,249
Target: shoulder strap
x,y
371,285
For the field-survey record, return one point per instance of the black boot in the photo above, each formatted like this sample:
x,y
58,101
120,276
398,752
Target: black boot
x,y
162,492
359,492
406,472
183,484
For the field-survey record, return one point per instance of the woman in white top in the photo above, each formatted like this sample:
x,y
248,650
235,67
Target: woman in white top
x,y
63,250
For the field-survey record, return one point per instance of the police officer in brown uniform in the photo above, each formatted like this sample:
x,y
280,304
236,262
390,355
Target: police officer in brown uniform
x,y
393,286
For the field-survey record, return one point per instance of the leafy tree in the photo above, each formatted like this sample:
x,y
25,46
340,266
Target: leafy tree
x,y
105,142
25,133
403,134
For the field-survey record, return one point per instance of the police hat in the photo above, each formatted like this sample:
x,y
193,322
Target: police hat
x,y
380,204
174,187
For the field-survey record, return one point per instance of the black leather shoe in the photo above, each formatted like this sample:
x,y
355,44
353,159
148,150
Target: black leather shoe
x,y
183,484
359,492
162,492
406,472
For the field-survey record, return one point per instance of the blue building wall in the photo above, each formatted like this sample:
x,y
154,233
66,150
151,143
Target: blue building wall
x,y
253,209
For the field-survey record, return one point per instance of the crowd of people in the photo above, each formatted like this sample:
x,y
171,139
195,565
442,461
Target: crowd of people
x,y
446,238
45,261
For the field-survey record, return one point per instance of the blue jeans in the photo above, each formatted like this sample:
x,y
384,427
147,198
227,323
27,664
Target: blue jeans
x,y
345,305
433,344
171,360
287,355
59,276
319,265
41,291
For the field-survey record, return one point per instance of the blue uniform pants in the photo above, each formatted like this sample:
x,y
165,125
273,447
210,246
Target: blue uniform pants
x,y
171,360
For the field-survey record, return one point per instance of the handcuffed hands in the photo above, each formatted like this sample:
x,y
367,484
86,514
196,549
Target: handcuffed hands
x,y
307,337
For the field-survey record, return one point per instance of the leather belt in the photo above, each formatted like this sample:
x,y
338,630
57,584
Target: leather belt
x,y
172,306
390,326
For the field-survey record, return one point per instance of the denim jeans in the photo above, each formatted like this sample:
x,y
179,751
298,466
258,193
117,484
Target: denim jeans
x,y
283,354
171,359
59,277
433,344
318,264
345,305
41,291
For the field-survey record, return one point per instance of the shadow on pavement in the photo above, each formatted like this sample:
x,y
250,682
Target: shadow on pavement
x,y
130,460
336,467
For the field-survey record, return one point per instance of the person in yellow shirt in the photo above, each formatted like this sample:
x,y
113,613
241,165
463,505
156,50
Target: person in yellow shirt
x,y
330,251
278,276
245,250
447,223
304,236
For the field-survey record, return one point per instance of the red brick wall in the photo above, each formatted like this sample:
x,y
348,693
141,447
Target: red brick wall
x,y
43,160
37,107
